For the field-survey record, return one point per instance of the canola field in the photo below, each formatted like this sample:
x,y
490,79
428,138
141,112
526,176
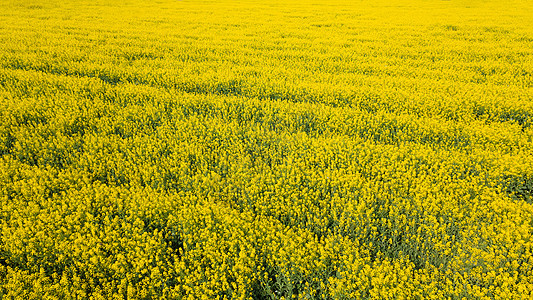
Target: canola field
x,y
266,149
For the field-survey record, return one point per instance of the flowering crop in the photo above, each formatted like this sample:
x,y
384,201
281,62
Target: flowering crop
x,y
266,149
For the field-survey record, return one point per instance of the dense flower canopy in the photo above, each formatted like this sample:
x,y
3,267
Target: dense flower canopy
x,y
266,149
